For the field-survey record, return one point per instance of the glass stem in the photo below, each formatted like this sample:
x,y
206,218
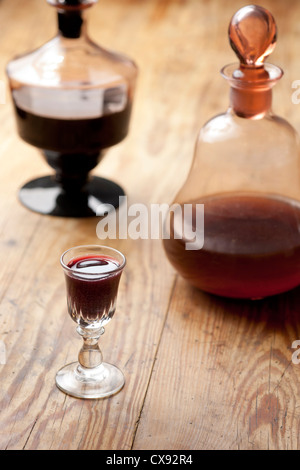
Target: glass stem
x,y
90,355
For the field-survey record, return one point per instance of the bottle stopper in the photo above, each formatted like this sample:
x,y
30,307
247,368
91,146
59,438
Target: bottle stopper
x,y
252,35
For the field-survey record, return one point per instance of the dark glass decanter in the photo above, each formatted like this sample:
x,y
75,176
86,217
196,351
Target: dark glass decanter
x,y
73,101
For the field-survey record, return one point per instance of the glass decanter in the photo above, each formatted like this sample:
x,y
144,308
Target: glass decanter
x,y
245,172
72,100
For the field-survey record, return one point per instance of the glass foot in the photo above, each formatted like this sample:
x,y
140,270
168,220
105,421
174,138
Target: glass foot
x,y
45,196
99,382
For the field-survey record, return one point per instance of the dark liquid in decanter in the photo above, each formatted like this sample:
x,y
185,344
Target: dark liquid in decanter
x,y
251,246
72,134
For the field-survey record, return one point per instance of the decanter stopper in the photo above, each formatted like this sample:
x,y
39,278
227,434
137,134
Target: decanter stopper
x,y
252,35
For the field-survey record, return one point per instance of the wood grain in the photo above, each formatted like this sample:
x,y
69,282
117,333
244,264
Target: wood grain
x,y
244,392
201,372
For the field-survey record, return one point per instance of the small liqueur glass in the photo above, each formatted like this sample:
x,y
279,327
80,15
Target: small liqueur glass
x,y
92,275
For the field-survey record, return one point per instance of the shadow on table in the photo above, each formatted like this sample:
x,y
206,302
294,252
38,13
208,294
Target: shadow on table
x,y
277,312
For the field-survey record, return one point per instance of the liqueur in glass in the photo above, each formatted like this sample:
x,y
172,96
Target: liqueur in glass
x,y
92,275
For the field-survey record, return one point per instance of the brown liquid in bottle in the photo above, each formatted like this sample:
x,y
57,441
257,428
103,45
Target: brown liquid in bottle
x,y
251,246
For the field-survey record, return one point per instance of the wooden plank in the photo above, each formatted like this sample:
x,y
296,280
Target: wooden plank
x,y
200,372
230,382
40,338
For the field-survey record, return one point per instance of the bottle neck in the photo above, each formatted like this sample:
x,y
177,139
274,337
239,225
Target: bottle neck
x,y
251,88
250,103
71,24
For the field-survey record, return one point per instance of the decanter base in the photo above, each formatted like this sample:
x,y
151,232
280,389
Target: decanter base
x,y
46,196
100,382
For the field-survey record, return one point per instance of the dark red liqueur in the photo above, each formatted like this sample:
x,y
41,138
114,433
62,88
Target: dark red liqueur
x,y
251,246
92,288
73,136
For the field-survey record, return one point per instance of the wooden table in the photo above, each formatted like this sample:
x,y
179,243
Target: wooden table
x,y
201,372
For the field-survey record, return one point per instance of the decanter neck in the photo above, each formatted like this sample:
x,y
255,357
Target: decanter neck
x,y
71,16
250,104
71,24
251,88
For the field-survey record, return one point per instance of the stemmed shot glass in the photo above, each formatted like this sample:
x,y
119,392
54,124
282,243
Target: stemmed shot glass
x,y
92,275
